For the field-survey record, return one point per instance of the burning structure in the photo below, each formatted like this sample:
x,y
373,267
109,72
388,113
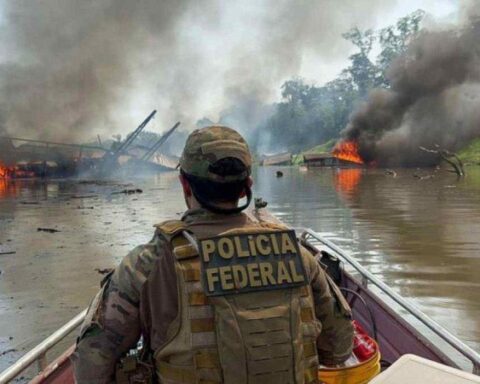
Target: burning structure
x,y
344,155
36,158
432,100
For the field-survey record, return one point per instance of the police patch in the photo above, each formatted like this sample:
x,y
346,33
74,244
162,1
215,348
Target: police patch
x,y
251,262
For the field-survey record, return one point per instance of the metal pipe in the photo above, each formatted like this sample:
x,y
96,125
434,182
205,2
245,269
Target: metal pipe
x,y
457,344
148,155
131,138
38,352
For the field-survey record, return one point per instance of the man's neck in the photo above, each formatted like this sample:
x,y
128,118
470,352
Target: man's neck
x,y
194,204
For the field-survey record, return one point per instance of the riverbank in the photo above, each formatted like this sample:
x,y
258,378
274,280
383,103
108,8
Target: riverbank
x,y
470,155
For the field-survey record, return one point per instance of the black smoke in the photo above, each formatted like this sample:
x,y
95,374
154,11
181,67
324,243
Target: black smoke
x,y
433,99
73,69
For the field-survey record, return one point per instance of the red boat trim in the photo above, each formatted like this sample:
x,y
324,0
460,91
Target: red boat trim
x,y
59,371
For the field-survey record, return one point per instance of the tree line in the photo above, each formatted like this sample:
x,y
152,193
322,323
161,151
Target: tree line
x,y
308,114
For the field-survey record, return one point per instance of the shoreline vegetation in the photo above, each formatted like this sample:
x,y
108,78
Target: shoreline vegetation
x,y
470,155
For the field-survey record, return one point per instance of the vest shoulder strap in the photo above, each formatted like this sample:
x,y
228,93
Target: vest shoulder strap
x,y
170,228
256,227
274,226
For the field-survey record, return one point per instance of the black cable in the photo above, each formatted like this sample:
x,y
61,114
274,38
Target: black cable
x,y
372,317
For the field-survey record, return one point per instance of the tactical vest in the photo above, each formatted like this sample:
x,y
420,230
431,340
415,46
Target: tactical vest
x,y
261,337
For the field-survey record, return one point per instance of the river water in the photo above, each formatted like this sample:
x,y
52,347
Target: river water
x,y
418,230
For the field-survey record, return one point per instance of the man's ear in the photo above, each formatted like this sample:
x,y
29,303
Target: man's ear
x,y
187,190
249,183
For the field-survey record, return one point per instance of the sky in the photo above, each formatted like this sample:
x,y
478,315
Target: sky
x,y
321,69
72,69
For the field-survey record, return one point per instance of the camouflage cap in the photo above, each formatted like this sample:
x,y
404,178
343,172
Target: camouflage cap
x,y
207,145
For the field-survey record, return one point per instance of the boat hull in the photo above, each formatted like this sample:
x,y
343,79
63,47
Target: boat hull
x,y
395,336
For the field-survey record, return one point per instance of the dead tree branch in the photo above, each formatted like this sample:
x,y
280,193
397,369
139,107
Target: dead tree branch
x,y
450,157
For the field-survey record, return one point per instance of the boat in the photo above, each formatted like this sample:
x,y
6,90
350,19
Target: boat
x,y
399,328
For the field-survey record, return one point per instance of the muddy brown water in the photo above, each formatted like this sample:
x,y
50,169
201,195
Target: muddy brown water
x,y
420,235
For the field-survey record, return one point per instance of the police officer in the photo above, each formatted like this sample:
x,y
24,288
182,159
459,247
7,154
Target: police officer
x,y
219,296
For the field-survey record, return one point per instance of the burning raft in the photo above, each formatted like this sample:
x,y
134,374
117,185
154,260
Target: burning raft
x,y
345,155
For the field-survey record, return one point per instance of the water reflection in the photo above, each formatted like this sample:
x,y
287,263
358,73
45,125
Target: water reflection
x,y
8,188
346,181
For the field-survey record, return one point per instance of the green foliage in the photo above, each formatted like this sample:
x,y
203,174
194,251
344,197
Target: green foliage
x,y
471,154
309,114
322,148
395,39
364,74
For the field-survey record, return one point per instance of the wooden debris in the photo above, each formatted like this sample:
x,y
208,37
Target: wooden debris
x,y
8,253
83,196
103,271
8,351
391,172
49,230
424,177
128,191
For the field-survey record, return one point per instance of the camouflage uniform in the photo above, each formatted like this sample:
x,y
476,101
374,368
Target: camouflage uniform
x,y
143,296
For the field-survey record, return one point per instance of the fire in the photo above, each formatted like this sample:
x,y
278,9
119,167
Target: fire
x,y
15,172
5,172
347,150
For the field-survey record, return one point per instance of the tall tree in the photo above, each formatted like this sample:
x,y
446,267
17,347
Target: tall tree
x,y
395,39
363,71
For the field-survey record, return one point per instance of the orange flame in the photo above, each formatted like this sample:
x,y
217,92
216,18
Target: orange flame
x,y
15,172
347,150
6,172
8,188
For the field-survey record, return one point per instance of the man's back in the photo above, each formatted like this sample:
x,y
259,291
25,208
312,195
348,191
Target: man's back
x,y
148,293
217,296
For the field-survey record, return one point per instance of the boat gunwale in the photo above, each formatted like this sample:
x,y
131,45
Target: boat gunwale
x,y
368,277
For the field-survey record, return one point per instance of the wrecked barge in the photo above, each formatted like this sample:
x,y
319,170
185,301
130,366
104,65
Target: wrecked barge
x,y
28,158
344,155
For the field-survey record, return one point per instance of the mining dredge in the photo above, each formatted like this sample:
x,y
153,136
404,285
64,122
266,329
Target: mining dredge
x,y
26,158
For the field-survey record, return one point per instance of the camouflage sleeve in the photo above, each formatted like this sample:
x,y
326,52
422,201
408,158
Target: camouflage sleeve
x,y
112,324
335,342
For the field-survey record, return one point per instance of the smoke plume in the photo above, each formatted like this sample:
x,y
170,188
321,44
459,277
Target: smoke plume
x,y
433,100
75,69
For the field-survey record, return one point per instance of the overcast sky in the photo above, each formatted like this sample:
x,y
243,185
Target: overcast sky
x,y
320,69
77,68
